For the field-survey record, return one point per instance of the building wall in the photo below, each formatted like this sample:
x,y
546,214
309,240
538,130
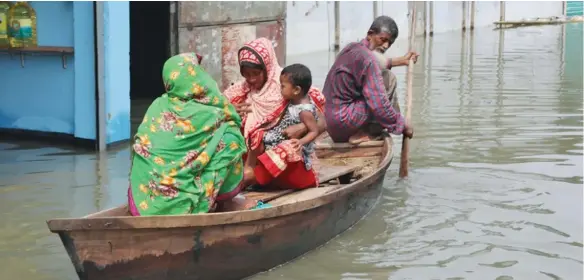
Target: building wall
x,y
573,46
311,24
45,97
517,10
574,8
42,95
217,30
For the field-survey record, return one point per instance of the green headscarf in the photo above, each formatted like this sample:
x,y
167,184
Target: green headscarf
x,y
189,146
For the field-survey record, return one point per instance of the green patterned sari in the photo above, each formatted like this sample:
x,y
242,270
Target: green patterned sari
x,y
188,150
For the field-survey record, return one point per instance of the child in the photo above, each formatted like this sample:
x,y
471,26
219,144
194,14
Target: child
x,y
296,81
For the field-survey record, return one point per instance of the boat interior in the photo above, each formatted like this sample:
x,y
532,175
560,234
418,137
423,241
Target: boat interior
x,y
338,166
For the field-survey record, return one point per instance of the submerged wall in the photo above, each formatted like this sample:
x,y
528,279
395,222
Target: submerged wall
x,y
42,95
573,46
311,24
574,8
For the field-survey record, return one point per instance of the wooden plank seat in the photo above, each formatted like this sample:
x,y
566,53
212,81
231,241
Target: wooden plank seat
x,y
325,174
327,145
326,148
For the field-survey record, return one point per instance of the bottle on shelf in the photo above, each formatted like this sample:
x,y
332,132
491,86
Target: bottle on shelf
x,y
22,26
4,11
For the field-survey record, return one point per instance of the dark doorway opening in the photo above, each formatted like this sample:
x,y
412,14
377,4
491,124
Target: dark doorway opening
x,y
149,49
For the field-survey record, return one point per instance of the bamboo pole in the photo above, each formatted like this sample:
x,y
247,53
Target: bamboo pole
x,y
431,18
425,17
502,11
464,13
404,160
337,25
472,14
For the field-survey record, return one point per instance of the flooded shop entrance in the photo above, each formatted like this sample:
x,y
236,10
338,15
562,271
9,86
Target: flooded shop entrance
x,y
149,49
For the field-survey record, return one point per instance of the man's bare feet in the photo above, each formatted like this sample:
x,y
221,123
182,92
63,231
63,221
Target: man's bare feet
x,y
359,138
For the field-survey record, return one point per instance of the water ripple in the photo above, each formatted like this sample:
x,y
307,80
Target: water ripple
x,y
496,189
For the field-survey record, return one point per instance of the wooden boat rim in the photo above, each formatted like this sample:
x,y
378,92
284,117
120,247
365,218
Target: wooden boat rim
x,y
211,219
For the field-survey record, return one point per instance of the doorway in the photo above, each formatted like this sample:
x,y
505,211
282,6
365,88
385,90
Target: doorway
x,y
149,49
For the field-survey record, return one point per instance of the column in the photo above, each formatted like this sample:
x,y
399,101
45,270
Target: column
x,y
84,75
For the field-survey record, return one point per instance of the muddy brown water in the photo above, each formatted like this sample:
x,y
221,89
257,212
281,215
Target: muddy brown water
x,y
495,187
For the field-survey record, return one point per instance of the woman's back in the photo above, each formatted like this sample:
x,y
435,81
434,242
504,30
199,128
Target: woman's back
x,y
188,145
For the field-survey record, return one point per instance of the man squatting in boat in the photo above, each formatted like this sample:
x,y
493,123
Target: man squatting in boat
x,y
359,93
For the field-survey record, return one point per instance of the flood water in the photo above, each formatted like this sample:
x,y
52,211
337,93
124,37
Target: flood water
x,y
495,187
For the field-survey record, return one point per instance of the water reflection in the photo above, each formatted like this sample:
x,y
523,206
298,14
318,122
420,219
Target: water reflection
x,y
495,189
39,183
496,186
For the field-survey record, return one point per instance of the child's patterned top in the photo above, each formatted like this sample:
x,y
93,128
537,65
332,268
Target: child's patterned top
x,y
274,136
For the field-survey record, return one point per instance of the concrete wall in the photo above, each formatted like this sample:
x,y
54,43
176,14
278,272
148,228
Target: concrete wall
x,y
310,24
42,95
218,29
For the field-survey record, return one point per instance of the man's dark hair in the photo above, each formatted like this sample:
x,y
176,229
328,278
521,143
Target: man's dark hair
x,y
384,24
299,75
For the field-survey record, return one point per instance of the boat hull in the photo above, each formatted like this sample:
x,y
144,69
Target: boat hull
x,y
230,251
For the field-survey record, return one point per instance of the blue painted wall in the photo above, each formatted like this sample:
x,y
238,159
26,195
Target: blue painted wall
x,y
117,70
84,41
574,8
42,95
573,54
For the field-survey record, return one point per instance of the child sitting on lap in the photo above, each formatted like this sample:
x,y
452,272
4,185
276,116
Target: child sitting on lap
x,y
296,80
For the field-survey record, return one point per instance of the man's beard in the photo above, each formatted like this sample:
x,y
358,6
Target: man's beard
x,y
381,50
380,59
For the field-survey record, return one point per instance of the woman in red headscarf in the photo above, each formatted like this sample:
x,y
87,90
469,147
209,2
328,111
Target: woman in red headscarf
x,y
259,101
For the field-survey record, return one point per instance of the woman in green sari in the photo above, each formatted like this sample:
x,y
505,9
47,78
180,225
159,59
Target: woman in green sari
x,y
188,150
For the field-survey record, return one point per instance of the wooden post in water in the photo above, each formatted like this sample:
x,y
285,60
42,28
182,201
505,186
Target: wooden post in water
x,y
425,22
337,25
101,133
472,14
464,13
404,160
431,18
502,11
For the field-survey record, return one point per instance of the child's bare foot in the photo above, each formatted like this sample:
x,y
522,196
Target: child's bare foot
x,y
237,204
248,177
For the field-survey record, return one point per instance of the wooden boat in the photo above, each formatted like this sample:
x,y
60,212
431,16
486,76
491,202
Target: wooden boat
x,y
111,244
